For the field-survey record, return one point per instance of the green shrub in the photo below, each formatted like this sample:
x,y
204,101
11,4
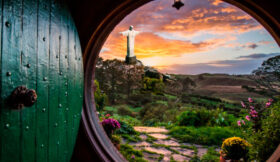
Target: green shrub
x,y
203,135
131,154
204,117
188,118
154,85
125,128
265,142
124,110
99,97
152,113
128,119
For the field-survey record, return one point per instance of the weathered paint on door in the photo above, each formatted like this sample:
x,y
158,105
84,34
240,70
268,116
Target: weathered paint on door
x,y
39,49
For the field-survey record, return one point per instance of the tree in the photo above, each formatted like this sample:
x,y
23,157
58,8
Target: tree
x,y
132,77
268,76
115,77
108,74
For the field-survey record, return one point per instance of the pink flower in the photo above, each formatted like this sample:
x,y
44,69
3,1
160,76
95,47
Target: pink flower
x,y
270,100
267,104
239,123
252,107
247,117
107,115
243,105
132,156
254,113
111,123
243,122
250,99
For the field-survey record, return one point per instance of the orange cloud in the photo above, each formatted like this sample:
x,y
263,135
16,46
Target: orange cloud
x,y
151,45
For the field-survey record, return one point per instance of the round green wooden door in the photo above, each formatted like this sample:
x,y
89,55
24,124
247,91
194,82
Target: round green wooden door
x,y
40,50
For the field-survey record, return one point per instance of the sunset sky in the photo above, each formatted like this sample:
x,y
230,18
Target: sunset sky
x,y
204,36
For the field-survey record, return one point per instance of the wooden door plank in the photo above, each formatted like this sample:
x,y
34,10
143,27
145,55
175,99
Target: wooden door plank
x,y
1,101
29,60
11,67
42,114
63,65
78,84
53,83
71,87
79,81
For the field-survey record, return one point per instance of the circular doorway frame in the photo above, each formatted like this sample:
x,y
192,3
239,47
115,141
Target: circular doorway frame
x,y
96,136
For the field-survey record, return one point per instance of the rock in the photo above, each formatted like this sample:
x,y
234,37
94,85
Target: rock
x,y
151,157
184,151
167,142
150,129
159,136
178,157
201,151
159,150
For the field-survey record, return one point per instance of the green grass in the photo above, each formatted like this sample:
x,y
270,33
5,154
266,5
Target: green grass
x,y
131,138
150,139
188,147
128,119
203,135
135,109
210,156
127,151
110,108
166,147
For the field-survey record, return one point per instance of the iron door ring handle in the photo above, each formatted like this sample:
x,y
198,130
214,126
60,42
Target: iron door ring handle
x,y
22,97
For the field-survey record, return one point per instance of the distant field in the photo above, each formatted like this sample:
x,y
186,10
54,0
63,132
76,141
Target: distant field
x,y
226,87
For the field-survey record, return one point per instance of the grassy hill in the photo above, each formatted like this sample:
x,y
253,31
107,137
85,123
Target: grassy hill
x,y
223,86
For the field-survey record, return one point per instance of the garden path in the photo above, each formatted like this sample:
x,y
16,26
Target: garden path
x,y
157,145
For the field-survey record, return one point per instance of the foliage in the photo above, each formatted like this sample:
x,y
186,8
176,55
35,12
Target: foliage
x,y
128,119
235,148
115,139
99,97
203,117
153,113
125,128
154,85
131,137
266,140
203,135
131,154
268,75
124,110
210,103
108,74
116,78
210,156
137,100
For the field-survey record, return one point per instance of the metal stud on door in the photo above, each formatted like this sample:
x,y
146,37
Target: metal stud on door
x,y
41,81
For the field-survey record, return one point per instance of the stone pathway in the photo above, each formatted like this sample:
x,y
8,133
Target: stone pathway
x,y
163,147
